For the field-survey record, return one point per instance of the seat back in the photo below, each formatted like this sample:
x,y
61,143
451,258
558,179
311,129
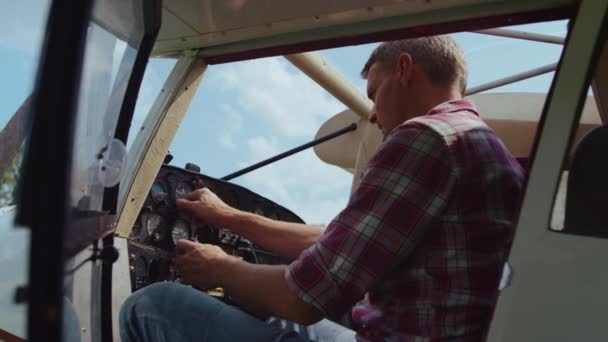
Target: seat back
x,y
586,206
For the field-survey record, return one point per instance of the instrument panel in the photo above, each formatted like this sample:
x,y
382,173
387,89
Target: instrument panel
x,y
160,225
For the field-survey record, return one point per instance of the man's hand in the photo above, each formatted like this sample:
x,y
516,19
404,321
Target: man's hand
x,y
203,205
287,239
201,265
260,289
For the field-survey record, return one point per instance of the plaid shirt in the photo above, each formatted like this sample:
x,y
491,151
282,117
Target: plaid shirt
x,y
425,234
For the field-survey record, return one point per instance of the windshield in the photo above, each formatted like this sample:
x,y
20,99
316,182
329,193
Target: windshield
x,y
111,49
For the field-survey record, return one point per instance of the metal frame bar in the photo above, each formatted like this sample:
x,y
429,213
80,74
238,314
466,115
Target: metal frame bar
x,y
512,79
536,37
149,149
561,115
290,152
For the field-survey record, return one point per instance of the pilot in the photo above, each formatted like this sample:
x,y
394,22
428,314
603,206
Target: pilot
x,y
417,254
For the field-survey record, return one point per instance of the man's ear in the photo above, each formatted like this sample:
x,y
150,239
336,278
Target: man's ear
x,y
404,68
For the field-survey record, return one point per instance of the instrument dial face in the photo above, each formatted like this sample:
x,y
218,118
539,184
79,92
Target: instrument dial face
x,y
152,224
182,190
180,231
158,187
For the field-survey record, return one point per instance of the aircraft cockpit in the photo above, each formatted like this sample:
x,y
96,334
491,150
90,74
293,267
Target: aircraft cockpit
x,y
159,225
116,109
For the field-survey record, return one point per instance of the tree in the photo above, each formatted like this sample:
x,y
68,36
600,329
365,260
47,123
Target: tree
x,y
11,151
8,181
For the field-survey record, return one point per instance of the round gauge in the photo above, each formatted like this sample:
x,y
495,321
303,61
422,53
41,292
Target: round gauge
x,y
180,231
182,189
152,223
158,187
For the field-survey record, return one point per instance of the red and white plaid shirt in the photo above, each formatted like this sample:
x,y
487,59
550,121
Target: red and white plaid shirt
x,y
425,234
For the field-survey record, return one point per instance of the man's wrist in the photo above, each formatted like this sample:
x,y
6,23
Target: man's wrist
x,y
233,218
225,216
228,266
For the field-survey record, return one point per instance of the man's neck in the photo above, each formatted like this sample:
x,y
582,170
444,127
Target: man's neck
x,y
434,97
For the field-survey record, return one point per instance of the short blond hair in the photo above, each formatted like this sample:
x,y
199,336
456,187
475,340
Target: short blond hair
x,y
440,57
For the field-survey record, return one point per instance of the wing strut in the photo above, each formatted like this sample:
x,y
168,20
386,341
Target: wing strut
x,y
294,150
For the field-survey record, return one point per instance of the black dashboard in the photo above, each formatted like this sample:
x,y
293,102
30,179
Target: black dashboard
x,y
160,225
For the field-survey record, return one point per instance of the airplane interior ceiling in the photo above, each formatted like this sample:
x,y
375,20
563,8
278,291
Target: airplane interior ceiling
x,y
193,24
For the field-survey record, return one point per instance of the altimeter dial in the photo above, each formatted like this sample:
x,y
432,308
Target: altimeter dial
x,y
180,231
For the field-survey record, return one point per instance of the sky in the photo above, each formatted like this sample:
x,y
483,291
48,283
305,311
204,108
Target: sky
x,y
248,111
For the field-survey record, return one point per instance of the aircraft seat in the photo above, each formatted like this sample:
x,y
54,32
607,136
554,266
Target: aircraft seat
x,y
586,212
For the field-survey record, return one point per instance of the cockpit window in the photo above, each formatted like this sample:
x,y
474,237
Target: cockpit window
x,y
113,39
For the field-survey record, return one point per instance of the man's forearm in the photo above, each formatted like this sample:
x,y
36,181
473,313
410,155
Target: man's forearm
x,y
286,239
263,290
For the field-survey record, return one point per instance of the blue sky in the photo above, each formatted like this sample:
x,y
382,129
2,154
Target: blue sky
x,y
245,112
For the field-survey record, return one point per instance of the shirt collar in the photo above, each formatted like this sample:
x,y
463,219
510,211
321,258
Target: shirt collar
x,y
443,108
453,106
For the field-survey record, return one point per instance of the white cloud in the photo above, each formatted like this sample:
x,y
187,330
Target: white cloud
x,y
263,147
235,120
302,183
234,123
287,102
226,141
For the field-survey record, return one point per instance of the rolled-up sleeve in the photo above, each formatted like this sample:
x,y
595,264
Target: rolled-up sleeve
x,y
404,186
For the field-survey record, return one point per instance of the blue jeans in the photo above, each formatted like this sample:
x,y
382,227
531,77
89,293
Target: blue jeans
x,y
174,312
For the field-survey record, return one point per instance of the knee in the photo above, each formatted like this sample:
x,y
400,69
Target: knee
x,y
151,298
166,300
144,307
165,309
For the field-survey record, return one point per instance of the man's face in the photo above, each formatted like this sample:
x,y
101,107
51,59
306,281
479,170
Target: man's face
x,y
384,89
